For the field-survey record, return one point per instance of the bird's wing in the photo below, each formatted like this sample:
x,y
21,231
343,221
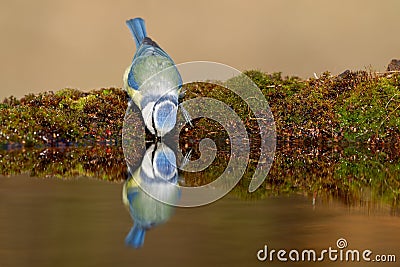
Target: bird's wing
x,y
148,61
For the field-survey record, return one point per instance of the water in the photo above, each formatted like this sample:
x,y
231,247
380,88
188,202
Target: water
x,y
82,222
75,206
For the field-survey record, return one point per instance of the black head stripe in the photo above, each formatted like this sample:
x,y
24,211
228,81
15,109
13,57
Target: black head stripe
x,y
171,98
155,129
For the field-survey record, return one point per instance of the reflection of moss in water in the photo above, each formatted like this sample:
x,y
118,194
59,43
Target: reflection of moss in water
x,y
103,162
377,172
311,116
354,174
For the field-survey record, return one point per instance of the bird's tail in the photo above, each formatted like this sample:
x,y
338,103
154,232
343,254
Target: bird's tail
x,y
138,29
135,237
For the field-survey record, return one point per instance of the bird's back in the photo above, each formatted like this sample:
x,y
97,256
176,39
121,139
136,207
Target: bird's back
x,y
149,61
153,70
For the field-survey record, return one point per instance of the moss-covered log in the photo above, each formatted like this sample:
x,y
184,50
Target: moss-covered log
x,y
352,107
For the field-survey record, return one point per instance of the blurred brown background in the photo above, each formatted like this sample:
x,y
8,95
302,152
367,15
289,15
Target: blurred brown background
x,y
48,45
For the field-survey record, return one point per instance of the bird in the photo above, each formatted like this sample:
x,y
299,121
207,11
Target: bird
x,y
153,82
156,177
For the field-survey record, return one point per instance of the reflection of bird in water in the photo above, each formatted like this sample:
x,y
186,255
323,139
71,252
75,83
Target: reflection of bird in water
x,y
153,82
157,177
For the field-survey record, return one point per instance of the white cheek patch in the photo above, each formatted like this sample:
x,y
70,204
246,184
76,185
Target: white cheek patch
x,y
147,164
164,163
147,113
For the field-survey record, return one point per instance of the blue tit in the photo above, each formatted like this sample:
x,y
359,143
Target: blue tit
x,y
152,81
156,177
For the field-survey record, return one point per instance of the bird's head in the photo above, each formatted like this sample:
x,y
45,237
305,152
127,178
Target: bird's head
x,y
160,115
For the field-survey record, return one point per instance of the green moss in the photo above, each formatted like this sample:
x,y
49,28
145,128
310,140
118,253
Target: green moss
x,y
80,104
354,107
69,93
371,111
68,116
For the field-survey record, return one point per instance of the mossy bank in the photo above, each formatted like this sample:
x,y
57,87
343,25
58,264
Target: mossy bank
x,y
360,106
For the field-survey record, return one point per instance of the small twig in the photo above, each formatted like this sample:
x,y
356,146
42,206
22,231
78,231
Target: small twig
x,y
387,104
388,116
388,71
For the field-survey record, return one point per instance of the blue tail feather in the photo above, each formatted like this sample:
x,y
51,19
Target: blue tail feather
x,y
138,30
135,237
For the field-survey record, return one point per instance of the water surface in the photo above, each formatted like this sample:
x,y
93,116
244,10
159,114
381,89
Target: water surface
x,y
82,222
